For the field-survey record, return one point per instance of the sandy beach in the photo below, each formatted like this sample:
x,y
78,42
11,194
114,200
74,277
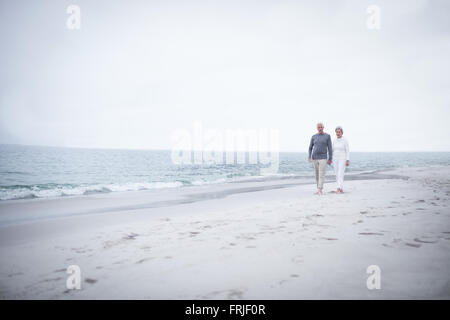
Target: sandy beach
x,y
247,240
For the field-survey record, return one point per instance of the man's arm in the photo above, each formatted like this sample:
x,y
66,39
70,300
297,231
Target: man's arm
x,y
311,145
330,149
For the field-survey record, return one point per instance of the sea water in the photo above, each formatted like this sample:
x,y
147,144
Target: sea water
x,y
36,172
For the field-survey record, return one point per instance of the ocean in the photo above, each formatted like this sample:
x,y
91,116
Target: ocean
x,y
28,172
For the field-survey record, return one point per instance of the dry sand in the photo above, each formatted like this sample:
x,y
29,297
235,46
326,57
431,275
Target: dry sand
x,y
250,240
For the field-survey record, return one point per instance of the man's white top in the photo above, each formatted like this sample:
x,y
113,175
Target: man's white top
x,y
340,149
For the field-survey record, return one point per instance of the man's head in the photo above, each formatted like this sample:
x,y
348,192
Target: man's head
x,y
320,127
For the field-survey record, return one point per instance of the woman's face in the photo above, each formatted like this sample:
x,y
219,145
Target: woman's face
x,y
338,133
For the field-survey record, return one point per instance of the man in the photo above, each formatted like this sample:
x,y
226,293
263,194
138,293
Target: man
x,y
318,147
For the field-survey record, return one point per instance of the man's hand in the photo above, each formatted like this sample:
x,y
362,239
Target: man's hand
x,y
329,161
310,159
347,163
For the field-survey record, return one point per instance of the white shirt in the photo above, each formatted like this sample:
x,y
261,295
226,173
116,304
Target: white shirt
x,y
340,149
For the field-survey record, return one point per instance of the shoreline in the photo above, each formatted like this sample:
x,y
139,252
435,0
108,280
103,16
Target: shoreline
x,y
237,241
169,196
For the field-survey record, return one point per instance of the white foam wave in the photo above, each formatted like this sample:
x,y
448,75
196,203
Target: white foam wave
x,y
61,191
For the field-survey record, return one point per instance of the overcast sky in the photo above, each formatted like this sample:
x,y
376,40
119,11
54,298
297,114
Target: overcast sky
x,y
138,70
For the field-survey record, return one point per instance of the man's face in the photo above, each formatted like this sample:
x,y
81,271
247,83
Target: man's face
x,y
320,128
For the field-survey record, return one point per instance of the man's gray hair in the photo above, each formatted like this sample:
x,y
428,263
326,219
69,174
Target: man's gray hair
x,y
340,128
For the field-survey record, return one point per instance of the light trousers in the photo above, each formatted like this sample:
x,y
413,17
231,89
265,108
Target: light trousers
x,y
320,166
339,170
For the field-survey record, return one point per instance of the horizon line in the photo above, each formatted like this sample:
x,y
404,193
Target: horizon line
x,y
193,150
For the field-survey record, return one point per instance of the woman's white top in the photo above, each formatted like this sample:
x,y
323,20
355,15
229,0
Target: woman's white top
x,y
340,149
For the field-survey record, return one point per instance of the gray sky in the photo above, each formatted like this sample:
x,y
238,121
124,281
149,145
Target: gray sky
x,y
138,70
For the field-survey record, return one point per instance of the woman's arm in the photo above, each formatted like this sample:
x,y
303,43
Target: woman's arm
x,y
347,153
347,150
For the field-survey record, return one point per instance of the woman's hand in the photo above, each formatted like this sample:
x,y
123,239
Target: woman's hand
x,y
347,163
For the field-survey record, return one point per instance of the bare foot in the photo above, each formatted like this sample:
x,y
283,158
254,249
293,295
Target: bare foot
x,y
319,192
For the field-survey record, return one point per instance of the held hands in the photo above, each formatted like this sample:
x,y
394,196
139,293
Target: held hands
x,y
347,163
329,161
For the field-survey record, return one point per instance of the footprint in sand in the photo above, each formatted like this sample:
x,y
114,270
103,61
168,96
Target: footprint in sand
x,y
413,245
230,294
15,274
90,280
371,234
60,270
145,259
81,250
130,236
235,294
51,279
246,237
423,241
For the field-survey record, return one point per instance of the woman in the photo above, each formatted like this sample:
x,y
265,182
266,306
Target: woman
x,y
341,157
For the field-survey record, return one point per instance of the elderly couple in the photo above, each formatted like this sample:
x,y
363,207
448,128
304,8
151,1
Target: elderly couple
x,y
338,153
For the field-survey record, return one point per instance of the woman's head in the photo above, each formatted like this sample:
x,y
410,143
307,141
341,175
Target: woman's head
x,y
339,131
